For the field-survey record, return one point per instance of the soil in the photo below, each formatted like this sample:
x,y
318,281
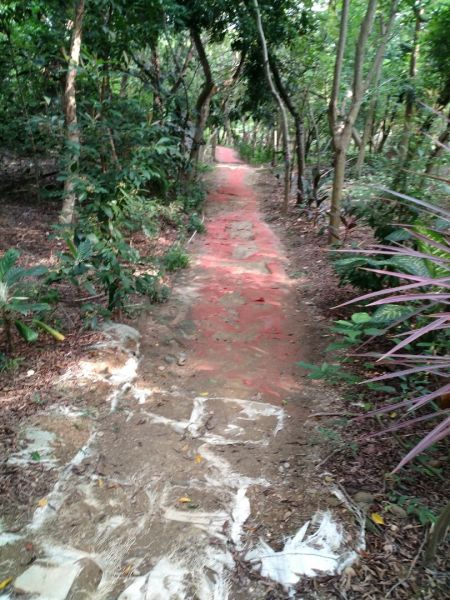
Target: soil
x,y
187,450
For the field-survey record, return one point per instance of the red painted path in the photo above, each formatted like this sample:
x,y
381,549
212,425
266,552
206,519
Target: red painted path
x,y
245,311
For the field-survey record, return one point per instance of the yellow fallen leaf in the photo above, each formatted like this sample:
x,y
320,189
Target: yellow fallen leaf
x,y
198,459
43,502
184,499
128,569
393,415
204,394
5,583
377,518
101,483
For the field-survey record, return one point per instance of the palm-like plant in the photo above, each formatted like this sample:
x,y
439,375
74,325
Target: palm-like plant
x,y
17,300
426,291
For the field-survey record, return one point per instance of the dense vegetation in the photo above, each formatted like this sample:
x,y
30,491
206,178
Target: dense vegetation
x,y
349,101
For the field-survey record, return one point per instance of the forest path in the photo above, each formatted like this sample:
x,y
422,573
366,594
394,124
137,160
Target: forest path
x,y
198,445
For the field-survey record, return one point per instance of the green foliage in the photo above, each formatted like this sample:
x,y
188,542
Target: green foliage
x,y
332,373
256,155
175,258
96,265
20,290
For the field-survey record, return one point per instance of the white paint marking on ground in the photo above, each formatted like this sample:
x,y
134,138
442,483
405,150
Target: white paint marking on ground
x,y
56,496
204,570
324,552
38,445
320,553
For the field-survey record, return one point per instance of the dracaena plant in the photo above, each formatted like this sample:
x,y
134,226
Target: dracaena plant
x,y
18,302
419,308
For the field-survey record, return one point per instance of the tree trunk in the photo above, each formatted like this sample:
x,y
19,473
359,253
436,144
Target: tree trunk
x,y
204,99
438,148
123,85
339,153
157,110
336,194
405,141
254,136
70,112
284,119
342,131
386,129
299,129
370,117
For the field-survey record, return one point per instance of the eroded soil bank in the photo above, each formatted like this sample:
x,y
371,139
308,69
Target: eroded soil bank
x,y
187,465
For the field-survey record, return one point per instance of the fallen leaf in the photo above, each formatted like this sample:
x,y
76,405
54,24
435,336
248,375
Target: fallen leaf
x,y
5,583
35,456
377,518
204,393
101,483
184,499
198,459
259,299
29,547
43,502
127,570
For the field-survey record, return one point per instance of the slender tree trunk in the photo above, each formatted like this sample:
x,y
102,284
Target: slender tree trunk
x,y
386,129
368,125
157,109
299,129
342,131
405,142
336,194
254,136
213,145
276,95
70,112
438,148
123,85
204,99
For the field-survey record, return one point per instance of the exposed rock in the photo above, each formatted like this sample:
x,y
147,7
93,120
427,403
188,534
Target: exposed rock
x,y
363,497
181,359
398,511
121,335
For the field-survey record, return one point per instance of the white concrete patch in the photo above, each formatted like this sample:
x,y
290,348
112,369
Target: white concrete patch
x,y
166,580
38,448
56,496
211,522
240,514
59,574
325,552
6,537
249,411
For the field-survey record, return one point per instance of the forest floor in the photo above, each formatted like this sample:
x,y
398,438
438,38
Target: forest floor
x,y
180,456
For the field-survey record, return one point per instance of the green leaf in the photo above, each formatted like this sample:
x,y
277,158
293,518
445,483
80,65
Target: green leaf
x,y
391,312
7,261
35,456
28,334
374,331
361,317
412,265
53,332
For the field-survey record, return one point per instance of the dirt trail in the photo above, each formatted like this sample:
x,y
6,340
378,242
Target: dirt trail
x,y
193,467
